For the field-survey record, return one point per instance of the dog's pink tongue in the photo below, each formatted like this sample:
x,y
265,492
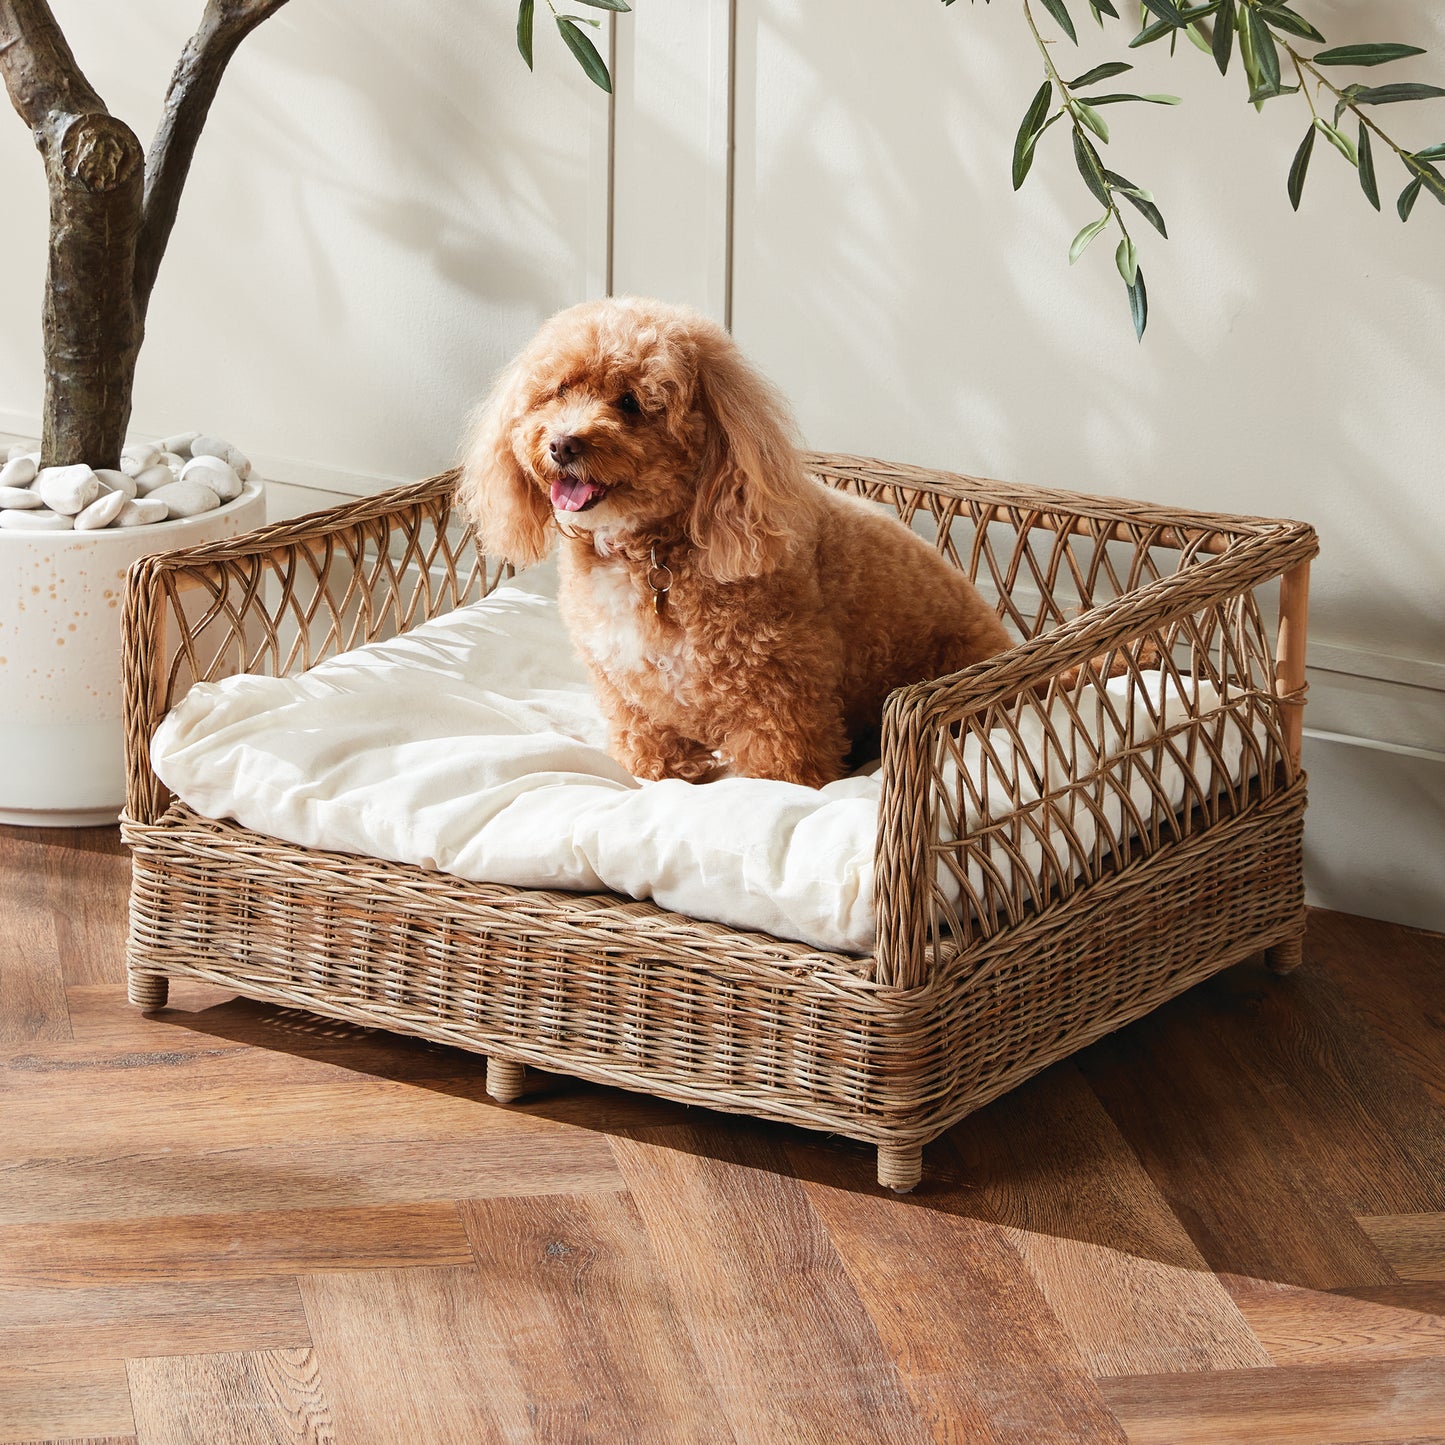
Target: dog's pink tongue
x,y
571,494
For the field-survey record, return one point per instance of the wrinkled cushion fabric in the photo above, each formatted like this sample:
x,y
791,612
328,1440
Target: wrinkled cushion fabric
x,y
473,745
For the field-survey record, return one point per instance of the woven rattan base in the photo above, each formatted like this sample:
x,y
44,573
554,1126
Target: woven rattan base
x,y
625,994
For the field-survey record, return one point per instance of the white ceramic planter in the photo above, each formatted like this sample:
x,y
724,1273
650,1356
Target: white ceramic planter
x,y
61,736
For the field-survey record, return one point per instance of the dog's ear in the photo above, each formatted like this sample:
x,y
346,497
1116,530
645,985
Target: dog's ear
x,y
510,514
752,492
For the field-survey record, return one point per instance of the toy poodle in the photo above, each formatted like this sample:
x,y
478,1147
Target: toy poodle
x,y
732,609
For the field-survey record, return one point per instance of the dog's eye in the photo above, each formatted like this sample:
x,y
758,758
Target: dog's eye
x,y
562,389
628,403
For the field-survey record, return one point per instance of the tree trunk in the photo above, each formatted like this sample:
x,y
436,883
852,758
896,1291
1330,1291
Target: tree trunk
x,y
92,328
111,211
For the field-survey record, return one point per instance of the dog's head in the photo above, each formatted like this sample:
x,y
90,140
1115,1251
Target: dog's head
x,y
628,416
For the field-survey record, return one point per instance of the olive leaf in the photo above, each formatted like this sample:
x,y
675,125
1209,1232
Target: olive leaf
x,y
1265,53
524,30
1139,304
1066,22
1338,139
1368,183
1126,258
1223,46
1091,118
1091,168
1080,243
1140,199
1392,94
1364,54
586,53
1030,131
1299,166
1098,73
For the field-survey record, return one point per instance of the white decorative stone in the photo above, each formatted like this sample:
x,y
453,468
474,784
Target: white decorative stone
x,y
17,472
116,481
157,476
142,513
101,512
41,521
21,497
213,446
174,460
186,499
219,475
135,459
67,490
180,444
17,449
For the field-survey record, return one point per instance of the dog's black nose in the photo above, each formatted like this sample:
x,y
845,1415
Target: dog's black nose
x,y
564,449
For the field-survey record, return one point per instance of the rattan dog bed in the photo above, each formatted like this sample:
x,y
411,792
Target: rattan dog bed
x,y
981,975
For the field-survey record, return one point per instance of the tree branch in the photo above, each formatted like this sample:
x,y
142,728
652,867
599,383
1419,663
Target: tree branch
x,y
224,25
41,74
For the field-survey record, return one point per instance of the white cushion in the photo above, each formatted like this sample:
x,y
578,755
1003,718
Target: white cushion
x,y
473,745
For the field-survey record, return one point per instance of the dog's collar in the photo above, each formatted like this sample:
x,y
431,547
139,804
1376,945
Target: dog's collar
x,y
659,578
641,553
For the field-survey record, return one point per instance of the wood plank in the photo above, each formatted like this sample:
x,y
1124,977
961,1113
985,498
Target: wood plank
x,y
207,1103
1320,1404
32,982
32,992
191,1180
789,1349
1413,1243
49,1324
1306,1327
1371,1134
87,882
1116,1266
1421,1297
263,1397
571,1279
1206,1130
73,1397
981,1353
229,1246
412,1355
88,1440
203,1018
1394,978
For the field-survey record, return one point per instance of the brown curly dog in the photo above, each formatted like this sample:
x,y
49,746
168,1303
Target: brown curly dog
x,y
731,608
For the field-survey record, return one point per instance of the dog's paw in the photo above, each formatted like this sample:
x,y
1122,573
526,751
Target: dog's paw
x,y
690,762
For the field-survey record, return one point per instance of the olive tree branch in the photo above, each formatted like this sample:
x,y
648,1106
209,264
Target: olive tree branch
x,y
224,25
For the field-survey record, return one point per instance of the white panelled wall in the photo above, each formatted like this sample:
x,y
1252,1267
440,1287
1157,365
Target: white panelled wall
x,y
386,203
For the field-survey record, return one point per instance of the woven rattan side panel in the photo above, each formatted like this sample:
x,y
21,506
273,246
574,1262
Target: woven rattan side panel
x,y
1095,962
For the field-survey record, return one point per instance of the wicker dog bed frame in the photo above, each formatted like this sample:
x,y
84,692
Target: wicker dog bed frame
x,y
958,1002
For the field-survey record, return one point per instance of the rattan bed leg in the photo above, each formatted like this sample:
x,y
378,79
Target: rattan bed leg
x,y
505,1079
1287,956
900,1166
147,991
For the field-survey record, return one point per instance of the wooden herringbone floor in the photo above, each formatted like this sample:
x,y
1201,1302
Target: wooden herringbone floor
x,y
235,1223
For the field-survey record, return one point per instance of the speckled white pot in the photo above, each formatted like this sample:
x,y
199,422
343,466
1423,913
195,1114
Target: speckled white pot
x,y
62,756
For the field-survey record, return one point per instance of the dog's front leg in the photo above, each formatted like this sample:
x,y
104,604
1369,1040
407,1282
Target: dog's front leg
x,y
647,748
797,737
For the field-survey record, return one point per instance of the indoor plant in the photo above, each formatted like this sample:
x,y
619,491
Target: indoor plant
x,y
113,205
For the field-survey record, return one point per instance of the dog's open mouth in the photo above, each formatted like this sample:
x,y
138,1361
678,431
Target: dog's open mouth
x,y
576,494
